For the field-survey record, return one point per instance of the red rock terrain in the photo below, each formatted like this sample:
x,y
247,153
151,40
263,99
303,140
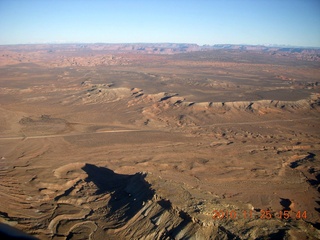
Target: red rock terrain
x,y
167,141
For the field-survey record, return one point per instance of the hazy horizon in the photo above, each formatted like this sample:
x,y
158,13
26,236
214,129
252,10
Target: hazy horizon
x,y
159,43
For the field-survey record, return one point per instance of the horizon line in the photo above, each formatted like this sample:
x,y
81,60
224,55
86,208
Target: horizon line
x,y
138,43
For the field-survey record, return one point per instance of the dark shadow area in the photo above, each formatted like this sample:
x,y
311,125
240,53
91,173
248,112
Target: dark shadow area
x,y
166,204
128,192
313,182
311,155
223,231
187,219
139,95
281,234
316,225
105,179
10,233
318,177
285,203
299,162
295,164
165,98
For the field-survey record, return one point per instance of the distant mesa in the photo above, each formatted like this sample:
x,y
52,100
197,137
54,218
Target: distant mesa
x,y
10,52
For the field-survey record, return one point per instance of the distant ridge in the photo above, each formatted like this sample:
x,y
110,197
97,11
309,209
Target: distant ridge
x,y
301,53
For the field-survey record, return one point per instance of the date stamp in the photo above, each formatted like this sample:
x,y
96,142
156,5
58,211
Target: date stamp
x,y
262,214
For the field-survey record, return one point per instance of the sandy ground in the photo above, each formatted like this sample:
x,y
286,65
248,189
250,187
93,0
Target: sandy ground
x,y
160,147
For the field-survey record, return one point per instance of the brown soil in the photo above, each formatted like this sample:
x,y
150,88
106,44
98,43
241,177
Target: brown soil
x,y
128,145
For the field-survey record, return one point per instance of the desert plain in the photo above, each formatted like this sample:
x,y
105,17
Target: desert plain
x,y
160,141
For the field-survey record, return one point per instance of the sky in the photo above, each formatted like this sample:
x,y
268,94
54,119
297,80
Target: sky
x,y
254,22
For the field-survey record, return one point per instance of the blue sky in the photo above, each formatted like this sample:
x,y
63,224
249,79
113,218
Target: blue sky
x,y
285,22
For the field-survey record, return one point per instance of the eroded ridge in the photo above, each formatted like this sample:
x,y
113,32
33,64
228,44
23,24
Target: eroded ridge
x,y
82,200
